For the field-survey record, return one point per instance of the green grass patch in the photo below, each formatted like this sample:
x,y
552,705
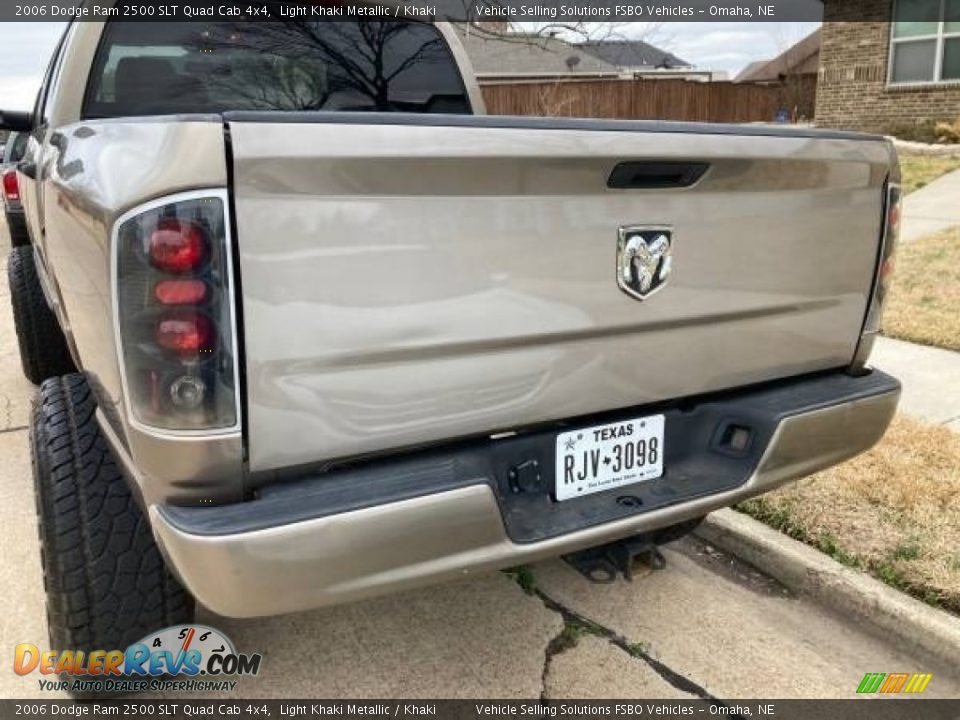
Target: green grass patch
x,y
907,551
924,302
569,637
892,512
776,516
522,575
639,649
917,171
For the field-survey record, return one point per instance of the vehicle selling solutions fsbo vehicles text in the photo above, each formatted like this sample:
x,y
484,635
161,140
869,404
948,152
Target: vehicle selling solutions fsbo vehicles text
x,y
621,11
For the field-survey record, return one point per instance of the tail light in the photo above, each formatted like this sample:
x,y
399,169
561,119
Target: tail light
x,y
883,277
181,292
174,313
187,333
176,246
11,188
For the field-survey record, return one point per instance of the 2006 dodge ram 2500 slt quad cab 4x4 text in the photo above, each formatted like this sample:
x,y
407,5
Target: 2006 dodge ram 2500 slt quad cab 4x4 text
x,y
309,327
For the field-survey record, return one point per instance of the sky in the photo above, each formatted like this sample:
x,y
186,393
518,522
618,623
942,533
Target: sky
x,y
25,48
724,45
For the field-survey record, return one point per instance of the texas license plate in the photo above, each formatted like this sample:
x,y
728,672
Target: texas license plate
x,y
604,457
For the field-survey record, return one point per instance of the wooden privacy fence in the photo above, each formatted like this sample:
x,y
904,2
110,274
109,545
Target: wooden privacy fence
x,y
646,99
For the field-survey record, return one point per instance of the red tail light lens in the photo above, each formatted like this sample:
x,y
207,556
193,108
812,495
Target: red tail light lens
x,y
177,246
11,188
181,292
186,333
886,271
174,312
888,247
893,213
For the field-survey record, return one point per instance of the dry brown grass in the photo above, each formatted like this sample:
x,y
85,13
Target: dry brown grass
x,y
893,511
919,170
924,302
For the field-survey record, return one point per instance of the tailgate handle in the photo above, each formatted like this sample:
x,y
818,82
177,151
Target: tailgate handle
x,y
643,175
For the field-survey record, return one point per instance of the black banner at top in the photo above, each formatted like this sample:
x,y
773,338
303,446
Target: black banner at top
x,y
553,11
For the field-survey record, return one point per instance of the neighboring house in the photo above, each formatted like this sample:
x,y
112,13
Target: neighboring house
x,y
794,71
498,57
526,74
877,75
799,60
637,58
750,69
633,55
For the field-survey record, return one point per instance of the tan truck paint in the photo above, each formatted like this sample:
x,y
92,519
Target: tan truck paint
x,y
404,284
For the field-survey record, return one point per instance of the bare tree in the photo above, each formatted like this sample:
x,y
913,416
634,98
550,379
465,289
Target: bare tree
x,y
302,65
796,88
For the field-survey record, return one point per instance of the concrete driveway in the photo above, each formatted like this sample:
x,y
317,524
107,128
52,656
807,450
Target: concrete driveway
x,y
705,626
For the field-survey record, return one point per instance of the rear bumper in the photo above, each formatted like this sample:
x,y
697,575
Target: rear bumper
x,y
317,541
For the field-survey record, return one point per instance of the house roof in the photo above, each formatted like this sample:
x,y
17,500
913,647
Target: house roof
x,y
630,54
518,54
750,70
802,58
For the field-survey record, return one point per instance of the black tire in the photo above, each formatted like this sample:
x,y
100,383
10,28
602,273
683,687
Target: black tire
x,y
43,348
17,227
105,580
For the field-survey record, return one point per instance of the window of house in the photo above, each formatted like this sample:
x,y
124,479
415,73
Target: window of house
x,y
926,41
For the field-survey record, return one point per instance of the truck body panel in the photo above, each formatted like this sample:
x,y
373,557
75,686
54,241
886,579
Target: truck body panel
x,y
94,172
406,284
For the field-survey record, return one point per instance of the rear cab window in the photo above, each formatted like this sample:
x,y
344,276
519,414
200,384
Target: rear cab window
x,y
182,68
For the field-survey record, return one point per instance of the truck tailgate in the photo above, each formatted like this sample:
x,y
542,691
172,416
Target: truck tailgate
x,y
406,281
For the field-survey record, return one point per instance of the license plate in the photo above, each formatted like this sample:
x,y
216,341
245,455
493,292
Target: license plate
x,y
604,457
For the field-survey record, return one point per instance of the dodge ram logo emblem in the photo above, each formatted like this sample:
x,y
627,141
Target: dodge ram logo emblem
x,y
643,259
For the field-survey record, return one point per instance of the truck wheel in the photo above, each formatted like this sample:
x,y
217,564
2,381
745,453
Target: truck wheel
x,y
43,349
105,580
17,227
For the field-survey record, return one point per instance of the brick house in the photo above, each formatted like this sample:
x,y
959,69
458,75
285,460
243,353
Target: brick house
x,y
879,71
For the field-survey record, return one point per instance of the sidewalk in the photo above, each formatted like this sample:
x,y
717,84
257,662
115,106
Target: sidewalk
x,y
932,208
930,377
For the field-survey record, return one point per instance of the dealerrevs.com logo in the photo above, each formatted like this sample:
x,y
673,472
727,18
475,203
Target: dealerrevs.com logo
x,y
179,658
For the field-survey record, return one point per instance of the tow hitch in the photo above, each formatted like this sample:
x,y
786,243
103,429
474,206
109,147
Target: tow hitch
x,y
600,564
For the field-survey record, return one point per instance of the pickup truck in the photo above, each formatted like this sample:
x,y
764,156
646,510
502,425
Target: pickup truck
x,y
12,210
309,326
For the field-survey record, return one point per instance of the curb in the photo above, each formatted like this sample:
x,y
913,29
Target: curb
x,y
885,611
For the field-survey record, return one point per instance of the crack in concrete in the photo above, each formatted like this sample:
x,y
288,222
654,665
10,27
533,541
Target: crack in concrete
x,y
564,641
549,652
18,428
559,644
